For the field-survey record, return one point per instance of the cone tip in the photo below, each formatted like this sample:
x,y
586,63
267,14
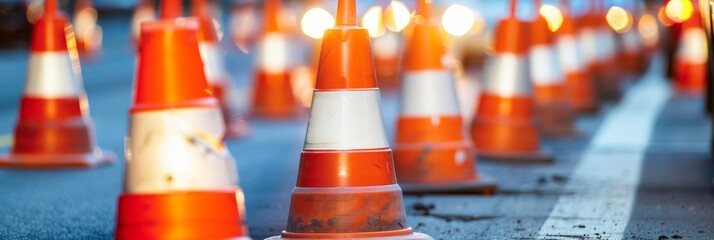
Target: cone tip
x,y
346,13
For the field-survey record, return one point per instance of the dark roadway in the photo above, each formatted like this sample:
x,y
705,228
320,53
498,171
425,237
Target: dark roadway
x,y
673,198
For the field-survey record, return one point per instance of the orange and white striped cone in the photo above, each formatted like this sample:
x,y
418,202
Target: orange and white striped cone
x,y
144,11
504,128
346,187
432,153
176,160
632,56
273,96
578,82
549,92
216,73
691,58
242,23
386,59
54,129
88,33
599,45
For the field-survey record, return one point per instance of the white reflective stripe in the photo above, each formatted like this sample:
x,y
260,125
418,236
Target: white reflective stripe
x,y
693,46
50,74
507,75
344,120
589,44
347,190
631,42
273,54
178,150
428,93
212,63
544,66
571,58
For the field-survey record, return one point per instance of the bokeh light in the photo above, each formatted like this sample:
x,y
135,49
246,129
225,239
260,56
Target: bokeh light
x,y
552,15
397,16
619,19
315,22
458,20
372,21
679,10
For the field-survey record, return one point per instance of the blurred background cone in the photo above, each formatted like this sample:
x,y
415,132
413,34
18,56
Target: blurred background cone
x,y
144,11
632,55
346,187
432,153
504,128
691,58
578,82
553,110
601,47
87,32
273,96
216,74
180,180
54,128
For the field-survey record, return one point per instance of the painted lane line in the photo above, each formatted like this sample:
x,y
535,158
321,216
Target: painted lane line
x,y
604,184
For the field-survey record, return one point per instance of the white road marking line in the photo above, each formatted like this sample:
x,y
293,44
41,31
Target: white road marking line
x,y
603,186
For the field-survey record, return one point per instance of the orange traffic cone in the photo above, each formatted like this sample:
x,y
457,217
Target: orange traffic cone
x,y
180,180
242,23
578,84
144,11
216,74
632,56
273,93
691,58
54,128
504,128
432,153
346,187
551,99
602,49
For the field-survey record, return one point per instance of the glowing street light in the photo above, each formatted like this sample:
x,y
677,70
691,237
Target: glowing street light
x,y
619,19
315,22
458,20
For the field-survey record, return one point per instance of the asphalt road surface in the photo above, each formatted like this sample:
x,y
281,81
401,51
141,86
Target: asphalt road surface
x,y
641,169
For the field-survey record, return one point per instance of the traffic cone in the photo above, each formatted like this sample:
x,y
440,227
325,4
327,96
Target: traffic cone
x,y
432,153
504,128
88,33
604,65
216,73
551,100
54,129
632,55
691,58
273,96
346,187
578,83
180,180
144,11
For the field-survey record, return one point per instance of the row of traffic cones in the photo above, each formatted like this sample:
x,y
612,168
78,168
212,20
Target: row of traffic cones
x,y
347,182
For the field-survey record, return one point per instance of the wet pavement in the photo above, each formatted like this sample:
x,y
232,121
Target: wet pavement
x,y
673,196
